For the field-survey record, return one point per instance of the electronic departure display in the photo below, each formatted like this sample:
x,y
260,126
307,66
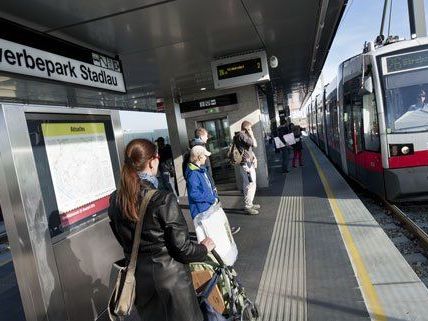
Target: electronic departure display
x,y
408,61
239,68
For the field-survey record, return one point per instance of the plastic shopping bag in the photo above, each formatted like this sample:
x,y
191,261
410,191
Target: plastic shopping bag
x,y
214,224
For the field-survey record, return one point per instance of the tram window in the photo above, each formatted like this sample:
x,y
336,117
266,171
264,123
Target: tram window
x,y
371,124
406,101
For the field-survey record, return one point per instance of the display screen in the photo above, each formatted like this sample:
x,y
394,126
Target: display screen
x,y
240,68
75,164
408,61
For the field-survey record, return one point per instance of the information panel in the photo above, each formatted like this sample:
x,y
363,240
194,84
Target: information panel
x,y
74,161
79,161
240,68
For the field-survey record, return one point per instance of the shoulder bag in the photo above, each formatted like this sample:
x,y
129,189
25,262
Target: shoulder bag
x,y
123,295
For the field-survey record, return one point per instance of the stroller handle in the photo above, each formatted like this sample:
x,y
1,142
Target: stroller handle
x,y
217,257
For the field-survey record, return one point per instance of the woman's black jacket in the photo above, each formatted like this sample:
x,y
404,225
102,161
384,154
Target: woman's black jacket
x,y
164,284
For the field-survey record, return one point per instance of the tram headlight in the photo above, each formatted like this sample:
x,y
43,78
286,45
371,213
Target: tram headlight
x,y
405,150
401,149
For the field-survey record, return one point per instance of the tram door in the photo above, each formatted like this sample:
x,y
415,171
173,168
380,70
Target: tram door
x,y
218,144
353,126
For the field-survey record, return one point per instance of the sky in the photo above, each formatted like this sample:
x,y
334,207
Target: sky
x,y
360,23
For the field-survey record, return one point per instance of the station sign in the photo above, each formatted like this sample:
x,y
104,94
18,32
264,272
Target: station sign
x,y
19,59
240,70
208,103
31,53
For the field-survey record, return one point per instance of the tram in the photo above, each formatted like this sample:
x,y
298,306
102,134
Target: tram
x,y
372,119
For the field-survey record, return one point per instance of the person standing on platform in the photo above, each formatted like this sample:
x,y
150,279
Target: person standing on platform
x,y
201,139
201,192
162,273
298,146
283,129
166,167
245,142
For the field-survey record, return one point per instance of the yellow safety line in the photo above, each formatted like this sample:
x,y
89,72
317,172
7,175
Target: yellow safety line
x,y
366,284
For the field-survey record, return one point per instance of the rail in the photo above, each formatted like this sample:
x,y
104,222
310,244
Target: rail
x,y
409,224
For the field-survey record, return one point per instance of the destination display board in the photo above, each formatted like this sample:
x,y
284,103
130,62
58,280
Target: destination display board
x,y
240,70
408,61
76,164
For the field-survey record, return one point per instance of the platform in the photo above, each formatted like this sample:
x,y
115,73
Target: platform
x,y
316,253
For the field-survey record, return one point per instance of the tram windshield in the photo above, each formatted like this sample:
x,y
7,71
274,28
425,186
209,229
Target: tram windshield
x,y
406,95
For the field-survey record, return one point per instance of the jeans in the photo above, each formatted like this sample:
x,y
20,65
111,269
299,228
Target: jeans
x,y
285,154
249,188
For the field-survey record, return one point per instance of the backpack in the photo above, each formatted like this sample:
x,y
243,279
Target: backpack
x,y
234,155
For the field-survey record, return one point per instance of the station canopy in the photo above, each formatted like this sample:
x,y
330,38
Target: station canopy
x,y
166,47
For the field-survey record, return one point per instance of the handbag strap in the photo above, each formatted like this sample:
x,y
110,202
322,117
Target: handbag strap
x,y
137,236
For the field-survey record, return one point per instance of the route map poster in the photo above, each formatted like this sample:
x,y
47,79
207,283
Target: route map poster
x,y
81,169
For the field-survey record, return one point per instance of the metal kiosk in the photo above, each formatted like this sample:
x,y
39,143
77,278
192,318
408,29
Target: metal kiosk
x,y
58,168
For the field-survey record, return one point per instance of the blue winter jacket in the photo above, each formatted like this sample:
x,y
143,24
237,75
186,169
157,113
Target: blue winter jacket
x,y
199,189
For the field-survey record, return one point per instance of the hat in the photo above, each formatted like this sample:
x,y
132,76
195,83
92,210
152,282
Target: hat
x,y
199,150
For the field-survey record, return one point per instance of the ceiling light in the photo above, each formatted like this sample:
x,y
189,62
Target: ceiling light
x,y
203,88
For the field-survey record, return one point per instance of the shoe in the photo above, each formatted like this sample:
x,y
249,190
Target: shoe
x,y
301,165
251,211
235,229
256,206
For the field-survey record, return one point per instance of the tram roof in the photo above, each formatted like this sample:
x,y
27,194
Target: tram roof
x,y
170,44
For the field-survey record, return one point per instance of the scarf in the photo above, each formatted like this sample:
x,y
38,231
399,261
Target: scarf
x,y
149,178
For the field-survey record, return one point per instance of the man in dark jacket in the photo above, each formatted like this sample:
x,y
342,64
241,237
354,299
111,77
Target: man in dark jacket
x,y
200,139
285,151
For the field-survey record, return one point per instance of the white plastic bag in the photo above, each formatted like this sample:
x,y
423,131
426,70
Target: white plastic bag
x,y
214,224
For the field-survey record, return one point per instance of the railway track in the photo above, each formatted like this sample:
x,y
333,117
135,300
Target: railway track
x,y
410,224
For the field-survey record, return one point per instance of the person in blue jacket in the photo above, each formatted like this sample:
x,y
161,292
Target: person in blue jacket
x,y
200,191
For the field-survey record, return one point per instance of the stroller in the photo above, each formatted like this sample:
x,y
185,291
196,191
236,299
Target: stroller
x,y
238,307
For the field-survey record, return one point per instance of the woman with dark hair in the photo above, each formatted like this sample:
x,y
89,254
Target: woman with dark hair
x,y
164,289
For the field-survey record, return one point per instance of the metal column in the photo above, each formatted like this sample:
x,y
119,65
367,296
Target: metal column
x,y
417,18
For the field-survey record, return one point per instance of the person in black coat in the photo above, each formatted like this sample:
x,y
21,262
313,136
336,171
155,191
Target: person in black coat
x,y
164,288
